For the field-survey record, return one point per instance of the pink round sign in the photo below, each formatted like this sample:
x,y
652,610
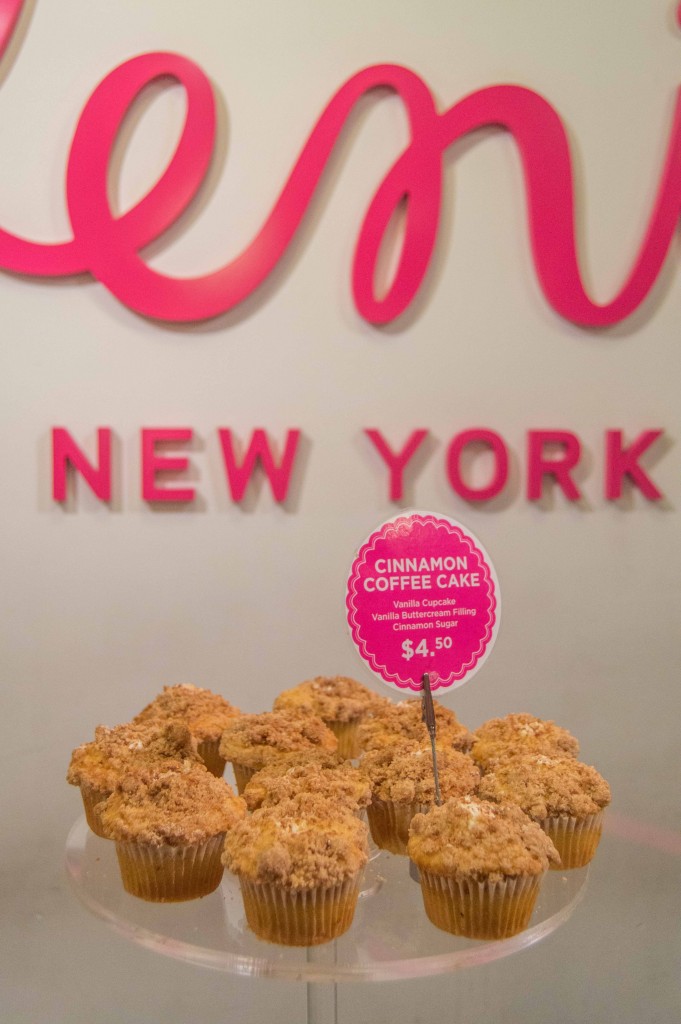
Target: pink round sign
x,y
423,596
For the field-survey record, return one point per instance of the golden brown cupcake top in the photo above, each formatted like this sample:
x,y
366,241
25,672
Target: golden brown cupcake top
x,y
546,786
175,808
474,839
521,734
404,721
126,748
318,847
259,740
323,775
404,774
205,714
332,698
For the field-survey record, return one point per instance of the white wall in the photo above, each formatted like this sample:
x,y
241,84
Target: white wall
x,y
103,606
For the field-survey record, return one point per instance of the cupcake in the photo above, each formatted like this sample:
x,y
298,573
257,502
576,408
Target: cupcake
x,y
481,865
98,766
520,734
403,784
169,830
299,870
339,701
564,796
205,714
395,723
325,775
252,742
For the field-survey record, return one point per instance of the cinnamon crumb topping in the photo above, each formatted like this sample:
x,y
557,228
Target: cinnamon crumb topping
x,y
258,740
521,733
205,714
545,786
173,808
469,838
325,776
404,774
298,849
332,698
126,748
396,722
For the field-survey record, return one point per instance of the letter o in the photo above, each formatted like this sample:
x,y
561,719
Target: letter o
x,y
491,440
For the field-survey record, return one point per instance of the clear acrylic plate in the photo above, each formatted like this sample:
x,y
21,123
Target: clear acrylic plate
x,y
391,938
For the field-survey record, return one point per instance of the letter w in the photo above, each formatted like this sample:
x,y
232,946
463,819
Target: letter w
x,y
239,475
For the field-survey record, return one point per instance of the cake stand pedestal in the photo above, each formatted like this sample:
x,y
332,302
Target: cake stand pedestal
x,y
390,938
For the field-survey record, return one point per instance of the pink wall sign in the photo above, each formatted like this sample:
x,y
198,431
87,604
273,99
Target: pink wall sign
x,y
423,596
111,248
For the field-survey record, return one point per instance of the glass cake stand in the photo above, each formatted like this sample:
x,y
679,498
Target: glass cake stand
x,y
390,938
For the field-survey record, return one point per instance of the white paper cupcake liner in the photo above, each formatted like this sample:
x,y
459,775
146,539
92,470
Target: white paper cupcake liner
x,y
91,798
168,874
479,910
305,918
347,734
389,823
576,839
242,775
209,751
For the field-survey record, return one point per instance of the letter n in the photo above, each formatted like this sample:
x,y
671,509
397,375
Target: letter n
x,y
259,453
67,455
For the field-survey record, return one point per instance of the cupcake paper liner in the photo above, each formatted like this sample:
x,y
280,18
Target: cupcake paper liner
x,y
170,874
389,823
91,797
305,918
242,776
576,839
479,910
209,751
347,735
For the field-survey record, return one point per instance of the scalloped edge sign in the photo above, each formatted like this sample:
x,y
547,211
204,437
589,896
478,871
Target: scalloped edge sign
x,y
423,596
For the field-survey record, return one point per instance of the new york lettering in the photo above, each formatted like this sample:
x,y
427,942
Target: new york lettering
x,y
552,461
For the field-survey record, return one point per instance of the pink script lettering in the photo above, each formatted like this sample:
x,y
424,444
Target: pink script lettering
x,y
109,247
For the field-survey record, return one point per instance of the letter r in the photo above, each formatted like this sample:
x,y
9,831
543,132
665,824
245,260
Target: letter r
x,y
538,466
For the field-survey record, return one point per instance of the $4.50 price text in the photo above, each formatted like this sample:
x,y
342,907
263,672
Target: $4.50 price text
x,y
422,648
